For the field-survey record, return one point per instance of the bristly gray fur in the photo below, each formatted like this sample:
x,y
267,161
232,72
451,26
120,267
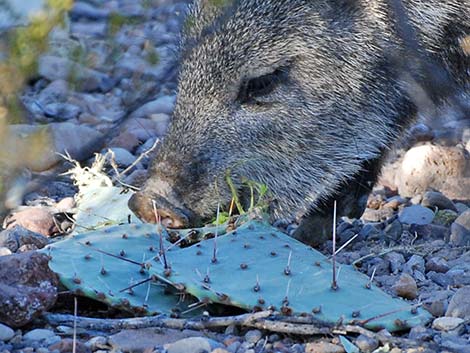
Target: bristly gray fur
x,y
341,101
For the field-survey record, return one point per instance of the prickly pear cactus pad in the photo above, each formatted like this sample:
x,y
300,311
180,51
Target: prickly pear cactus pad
x,y
259,266
106,265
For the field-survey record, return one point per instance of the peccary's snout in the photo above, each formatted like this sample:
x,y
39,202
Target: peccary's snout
x,y
149,207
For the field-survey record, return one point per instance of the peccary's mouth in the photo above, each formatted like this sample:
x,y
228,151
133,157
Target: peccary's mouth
x,y
151,207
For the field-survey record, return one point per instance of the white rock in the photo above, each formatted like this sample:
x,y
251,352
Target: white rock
x,y
448,323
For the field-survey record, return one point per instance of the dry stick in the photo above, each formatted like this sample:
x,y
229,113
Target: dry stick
x,y
334,284
75,315
142,155
257,320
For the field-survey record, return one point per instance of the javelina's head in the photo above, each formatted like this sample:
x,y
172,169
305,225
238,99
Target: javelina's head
x,y
266,90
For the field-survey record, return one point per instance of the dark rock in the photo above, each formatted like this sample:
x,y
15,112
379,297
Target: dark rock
x,y
460,230
366,344
420,333
437,308
371,231
437,264
27,287
430,231
394,230
62,111
434,199
396,260
415,262
18,236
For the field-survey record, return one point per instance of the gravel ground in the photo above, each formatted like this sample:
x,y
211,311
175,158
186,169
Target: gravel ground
x,y
414,238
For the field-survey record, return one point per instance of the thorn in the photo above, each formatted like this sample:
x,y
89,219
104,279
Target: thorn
x,y
334,284
285,301
88,243
129,218
257,287
199,252
261,301
287,270
243,266
347,243
77,280
122,253
273,253
103,271
125,236
369,284
160,233
246,246
356,313
150,279
206,277
316,310
115,256
214,254
87,257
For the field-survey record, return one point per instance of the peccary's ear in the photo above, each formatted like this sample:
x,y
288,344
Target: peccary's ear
x,y
203,14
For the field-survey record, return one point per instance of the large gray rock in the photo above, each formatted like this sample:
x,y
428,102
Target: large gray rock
x,y
459,305
77,140
416,215
27,287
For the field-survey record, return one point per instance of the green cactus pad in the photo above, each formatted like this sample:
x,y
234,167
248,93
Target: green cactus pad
x,y
252,269
101,264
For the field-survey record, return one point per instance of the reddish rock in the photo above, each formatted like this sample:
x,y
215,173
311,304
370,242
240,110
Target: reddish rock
x,y
66,346
27,287
406,287
36,219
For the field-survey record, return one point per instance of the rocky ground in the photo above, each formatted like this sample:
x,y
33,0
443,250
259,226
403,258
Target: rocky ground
x,y
108,81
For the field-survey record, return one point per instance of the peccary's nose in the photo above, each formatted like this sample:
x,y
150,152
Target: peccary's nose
x,y
170,216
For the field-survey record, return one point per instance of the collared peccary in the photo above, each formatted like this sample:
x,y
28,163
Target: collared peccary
x,y
305,96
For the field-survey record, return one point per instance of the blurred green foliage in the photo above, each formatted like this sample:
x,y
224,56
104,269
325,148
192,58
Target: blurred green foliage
x,y
20,47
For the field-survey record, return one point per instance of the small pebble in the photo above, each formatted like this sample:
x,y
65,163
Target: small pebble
x,y
253,336
406,287
366,344
323,347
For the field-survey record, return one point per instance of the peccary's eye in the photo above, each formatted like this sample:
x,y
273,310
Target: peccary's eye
x,y
261,86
